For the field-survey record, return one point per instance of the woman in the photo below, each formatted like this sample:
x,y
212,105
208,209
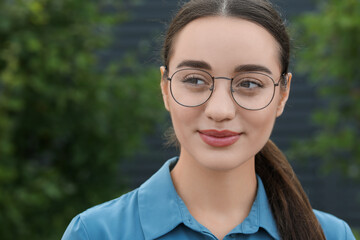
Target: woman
x,y
225,80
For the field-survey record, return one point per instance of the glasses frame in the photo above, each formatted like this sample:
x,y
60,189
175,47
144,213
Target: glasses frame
x,y
231,90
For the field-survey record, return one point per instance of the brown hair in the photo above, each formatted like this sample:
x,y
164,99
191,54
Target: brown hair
x,y
290,206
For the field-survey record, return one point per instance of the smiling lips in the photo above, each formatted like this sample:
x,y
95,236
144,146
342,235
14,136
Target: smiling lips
x,y
217,138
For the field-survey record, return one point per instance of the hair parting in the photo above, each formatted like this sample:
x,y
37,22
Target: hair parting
x,y
224,8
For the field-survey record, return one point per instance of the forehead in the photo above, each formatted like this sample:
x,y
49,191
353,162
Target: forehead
x,y
224,42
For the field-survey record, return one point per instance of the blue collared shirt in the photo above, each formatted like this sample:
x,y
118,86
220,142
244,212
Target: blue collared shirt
x,y
155,211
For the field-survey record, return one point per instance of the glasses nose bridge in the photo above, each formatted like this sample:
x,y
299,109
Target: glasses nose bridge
x,y
214,78
226,88
220,104
225,78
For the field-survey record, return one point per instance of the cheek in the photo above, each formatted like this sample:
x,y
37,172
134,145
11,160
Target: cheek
x,y
264,118
183,119
258,128
259,124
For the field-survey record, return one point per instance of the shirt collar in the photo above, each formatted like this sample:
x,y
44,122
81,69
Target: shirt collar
x,y
160,211
158,208
260,215
266,218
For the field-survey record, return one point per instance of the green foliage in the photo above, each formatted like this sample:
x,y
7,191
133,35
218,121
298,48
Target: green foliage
x,y
65,123
356,233
331,37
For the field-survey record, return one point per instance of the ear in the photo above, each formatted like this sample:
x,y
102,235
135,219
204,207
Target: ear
x,y
164,88
284,95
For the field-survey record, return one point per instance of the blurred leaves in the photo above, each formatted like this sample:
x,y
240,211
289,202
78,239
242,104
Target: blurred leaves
x,y
331,57
65,123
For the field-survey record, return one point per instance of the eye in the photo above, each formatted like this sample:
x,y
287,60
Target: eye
x,y
249,83
195,80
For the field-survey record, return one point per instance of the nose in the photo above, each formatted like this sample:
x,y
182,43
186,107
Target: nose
x,y
221,106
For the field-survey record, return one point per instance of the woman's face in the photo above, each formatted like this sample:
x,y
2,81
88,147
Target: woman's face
x,y
220,45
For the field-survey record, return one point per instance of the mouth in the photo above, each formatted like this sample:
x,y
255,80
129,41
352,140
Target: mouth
x,y
217,138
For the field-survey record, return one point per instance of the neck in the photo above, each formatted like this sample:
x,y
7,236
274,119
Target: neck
x,y
216,196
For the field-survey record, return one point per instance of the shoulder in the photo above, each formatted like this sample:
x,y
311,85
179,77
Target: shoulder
x,y
333,227
115,219
111,210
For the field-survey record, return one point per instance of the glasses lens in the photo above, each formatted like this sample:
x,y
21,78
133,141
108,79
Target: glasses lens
x,y
191,87
253,91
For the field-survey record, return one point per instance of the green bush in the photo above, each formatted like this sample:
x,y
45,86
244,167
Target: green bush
x,y
330,50
356,233
65,123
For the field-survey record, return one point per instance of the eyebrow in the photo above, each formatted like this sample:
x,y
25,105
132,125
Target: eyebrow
x,y
252,68
194,64
238,69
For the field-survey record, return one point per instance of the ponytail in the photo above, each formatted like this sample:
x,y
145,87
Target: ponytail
x,y
290,206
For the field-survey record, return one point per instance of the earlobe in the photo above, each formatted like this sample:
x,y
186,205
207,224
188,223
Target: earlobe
x,y
284,95
164,88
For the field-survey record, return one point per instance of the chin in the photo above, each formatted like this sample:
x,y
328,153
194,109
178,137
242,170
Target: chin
x,y
223,163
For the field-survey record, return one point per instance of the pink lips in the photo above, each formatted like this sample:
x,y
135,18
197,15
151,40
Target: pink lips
x,y
217,138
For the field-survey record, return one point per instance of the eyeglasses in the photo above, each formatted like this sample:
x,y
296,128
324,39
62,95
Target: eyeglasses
x,y
250,90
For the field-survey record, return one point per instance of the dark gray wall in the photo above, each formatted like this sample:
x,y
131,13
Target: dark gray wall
x,y
142,34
